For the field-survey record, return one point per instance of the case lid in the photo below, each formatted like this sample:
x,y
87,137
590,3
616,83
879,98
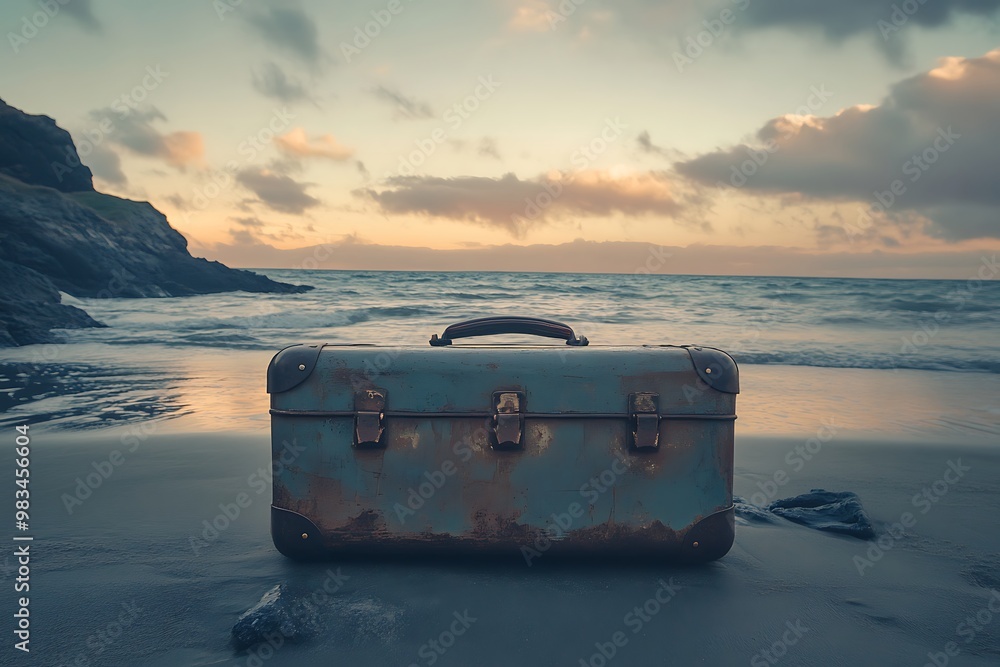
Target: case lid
x,y
464,379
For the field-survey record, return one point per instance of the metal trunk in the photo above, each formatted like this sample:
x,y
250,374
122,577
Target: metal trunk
x,y
530,450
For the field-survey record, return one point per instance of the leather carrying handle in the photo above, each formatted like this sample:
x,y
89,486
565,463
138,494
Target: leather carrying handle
x,y
488,326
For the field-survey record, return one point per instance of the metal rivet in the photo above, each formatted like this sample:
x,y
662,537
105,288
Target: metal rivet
x,y
305,536
302,367
707,370
695,545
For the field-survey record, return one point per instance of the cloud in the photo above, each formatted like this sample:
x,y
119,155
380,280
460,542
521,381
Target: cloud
x,y
277,191
669,25
488,148
956,222
929,147
106,165
253,223
244,237
351,253
883,19
405,107
249,231
83,13
532,16
646,145
136,132
289,28
178,202
273,82
183,148
837,20
514,205
298,144
252,231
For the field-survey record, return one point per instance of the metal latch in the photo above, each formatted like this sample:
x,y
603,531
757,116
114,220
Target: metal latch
x,y
368,416
644,420
508,419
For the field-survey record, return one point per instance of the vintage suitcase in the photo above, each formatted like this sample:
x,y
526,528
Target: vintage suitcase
x,y
531,450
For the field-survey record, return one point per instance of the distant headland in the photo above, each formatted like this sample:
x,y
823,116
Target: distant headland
x,y
58,234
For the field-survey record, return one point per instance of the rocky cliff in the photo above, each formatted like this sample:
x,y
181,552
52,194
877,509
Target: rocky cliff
x,y
58,234
33,149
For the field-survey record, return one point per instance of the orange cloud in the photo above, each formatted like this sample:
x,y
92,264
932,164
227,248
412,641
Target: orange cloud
x,y
532,16
297,143
184,148
515,205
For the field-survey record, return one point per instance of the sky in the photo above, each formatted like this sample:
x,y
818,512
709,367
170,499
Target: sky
x,y
750,137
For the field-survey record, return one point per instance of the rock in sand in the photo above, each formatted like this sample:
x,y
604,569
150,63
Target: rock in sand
x,y
279,617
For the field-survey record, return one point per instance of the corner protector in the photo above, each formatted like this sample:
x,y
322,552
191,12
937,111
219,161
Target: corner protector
x,y
711,538
295,536
715,368
291,366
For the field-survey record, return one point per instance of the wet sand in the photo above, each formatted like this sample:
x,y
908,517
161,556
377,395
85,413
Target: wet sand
x,y
117,581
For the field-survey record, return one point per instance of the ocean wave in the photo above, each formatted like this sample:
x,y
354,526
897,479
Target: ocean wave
x,y
795,297
820,359
845,319
863,320
918,306
128,339
299,319
221,339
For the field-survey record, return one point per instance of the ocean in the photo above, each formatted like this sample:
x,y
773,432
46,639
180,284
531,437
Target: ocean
x,y
146,434
910,357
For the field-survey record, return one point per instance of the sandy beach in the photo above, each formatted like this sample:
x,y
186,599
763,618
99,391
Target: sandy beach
x,y
131,574
150,491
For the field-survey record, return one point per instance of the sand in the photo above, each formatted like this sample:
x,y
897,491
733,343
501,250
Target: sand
x,y
118,581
